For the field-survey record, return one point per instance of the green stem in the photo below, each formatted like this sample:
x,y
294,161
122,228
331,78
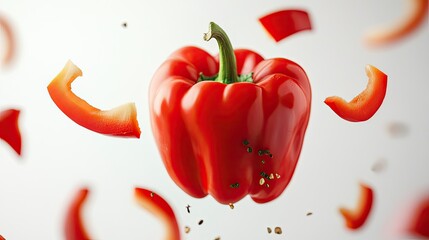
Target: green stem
x,y
227,64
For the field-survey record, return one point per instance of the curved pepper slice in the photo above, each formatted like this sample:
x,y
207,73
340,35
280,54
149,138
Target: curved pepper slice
x,y
160,208
9,129
10,43
281,24
356,218
120,121
418,10
73,226
419,224
224,130
364,105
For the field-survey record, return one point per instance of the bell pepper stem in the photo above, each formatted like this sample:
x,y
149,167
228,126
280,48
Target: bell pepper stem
x,y
227,63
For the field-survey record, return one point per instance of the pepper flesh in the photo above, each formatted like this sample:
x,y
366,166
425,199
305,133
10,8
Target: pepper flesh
x,y
159,207
9,129
120,121
200,125
356,218
10,42
365,105
74,228
411,20
419,224
281,24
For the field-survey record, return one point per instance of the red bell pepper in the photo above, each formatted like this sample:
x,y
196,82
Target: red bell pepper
x,y
120,121
9,129
282,24
10,43
225,130
356,218
159,207
74,228
411,20
365,105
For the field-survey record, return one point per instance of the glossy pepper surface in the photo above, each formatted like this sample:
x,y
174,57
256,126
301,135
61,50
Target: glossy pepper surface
x,y
231,125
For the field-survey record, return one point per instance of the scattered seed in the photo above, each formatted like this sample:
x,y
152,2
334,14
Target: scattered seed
x,y
152,194
278,230
124,24
235,185
217,238
271,155
263,161
268,185
269,230
277,175
200,222
260,152
379,166
261,181
231,205
187,208
309,213
271,177
397,129
263,174
245,142
187,229
249,149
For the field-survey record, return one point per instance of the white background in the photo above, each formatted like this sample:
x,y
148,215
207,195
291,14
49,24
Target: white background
x,y
60,156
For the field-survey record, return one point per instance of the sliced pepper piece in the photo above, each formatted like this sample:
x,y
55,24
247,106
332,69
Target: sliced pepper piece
x,y
120,121
159,207
419,224
281,24
9,129
10,43
74,228
366,104
355,218
409,22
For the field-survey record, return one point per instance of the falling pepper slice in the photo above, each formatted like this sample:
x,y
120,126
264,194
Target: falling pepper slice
x,y
366,104
356,218
73,227
10,43
418,10
419,224
9,129
281,24
120,121
159,207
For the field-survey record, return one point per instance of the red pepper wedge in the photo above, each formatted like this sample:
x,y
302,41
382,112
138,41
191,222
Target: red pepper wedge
x,y
365,105
281,24
223,130
412,19
419,224
74,228
10,42
120,121
9,129
356,218
159,207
